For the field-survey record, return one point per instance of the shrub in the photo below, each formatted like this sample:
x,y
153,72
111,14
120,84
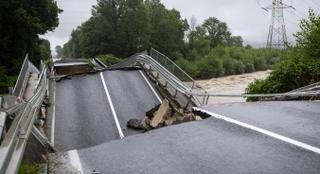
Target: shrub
x,y
228,66
109,59
293,72
260,64
248,67
209,68
187,66
204,70
29,169
192,55
239,67
229,61
300,65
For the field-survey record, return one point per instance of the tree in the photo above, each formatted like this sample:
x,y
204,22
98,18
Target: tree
x,y
198,41
134,28
167,28
211,34
217,32
308,39
125,27
44,49
21,22
236,41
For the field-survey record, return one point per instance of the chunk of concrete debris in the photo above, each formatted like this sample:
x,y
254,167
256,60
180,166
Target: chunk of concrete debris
x,y
150,114
139,124
160,114
170,121
134,124
145,124
198,118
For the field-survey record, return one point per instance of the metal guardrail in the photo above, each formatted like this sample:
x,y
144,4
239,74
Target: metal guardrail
x,y
3,118
167,63
306,88
181,75
27,67
14,142
1,102
100,63
182,83
21,81
172,82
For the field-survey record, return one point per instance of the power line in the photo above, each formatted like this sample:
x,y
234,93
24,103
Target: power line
x,y
277,36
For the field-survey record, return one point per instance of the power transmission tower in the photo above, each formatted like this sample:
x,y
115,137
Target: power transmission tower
x,y
277,36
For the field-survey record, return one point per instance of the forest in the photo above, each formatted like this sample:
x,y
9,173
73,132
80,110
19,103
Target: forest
x,y
119,28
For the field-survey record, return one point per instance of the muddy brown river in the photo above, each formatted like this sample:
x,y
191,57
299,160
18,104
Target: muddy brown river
x,y
234,85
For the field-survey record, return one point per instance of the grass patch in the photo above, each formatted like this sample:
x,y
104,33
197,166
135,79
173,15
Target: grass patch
x,y
29,169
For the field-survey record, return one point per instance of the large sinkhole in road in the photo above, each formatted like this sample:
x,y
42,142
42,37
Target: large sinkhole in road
x,y
89,112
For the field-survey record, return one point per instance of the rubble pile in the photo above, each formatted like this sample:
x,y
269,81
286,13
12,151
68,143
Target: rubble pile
x,y
161,116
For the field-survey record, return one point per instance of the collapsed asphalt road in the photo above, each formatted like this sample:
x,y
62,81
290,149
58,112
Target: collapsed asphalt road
x,y
210,146
85,116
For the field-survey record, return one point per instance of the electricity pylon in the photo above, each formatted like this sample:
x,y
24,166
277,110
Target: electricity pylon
x,y
277,36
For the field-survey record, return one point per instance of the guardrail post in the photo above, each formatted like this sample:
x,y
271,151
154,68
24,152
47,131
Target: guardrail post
x,y
207,101
175,94
1,102
3,116
189,100
204,99
166,84
193,83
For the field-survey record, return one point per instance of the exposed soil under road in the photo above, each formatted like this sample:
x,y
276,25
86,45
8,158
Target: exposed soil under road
x,y
235,84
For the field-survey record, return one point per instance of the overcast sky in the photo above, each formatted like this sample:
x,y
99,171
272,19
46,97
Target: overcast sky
x,y
244,17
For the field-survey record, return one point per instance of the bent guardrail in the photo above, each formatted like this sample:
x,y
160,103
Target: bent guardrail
x,y
167,63
21,81
14,142
184,84
100,63
179,87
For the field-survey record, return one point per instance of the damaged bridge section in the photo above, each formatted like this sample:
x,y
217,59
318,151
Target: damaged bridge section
x,y
94,108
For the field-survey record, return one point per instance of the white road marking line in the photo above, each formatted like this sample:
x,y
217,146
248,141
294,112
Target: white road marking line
x,y
263,131
75,160
151,87
111,106
53,113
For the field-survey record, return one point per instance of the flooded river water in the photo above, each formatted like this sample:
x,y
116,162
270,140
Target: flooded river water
x,y
235,84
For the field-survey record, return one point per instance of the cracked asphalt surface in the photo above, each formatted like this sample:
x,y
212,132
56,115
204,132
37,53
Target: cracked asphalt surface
x,y
208,146
83,116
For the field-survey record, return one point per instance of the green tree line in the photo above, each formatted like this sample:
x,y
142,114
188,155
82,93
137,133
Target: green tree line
x,y
21,23
120,28
221,61
125,27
